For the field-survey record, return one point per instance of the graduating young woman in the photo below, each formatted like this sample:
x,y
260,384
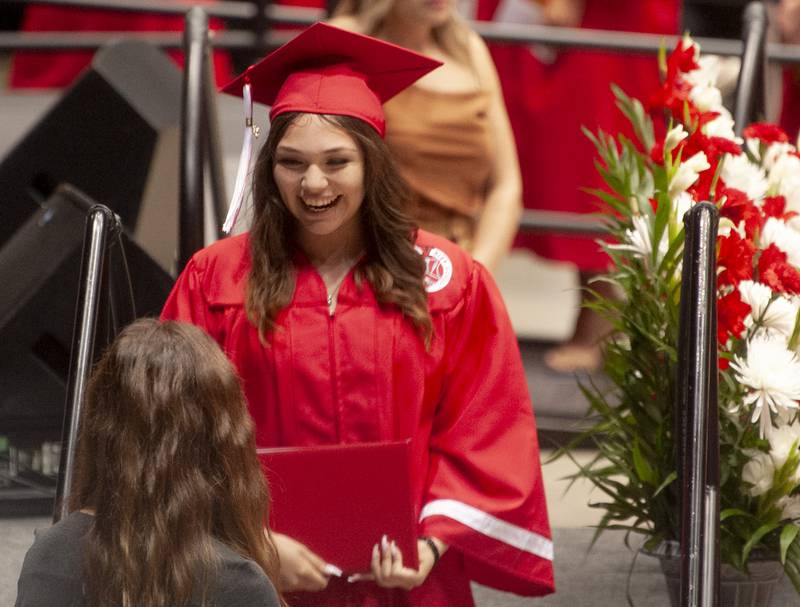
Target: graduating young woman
x,y
347,325
168,500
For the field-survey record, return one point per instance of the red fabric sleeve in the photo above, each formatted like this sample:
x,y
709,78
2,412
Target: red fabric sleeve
x,y
485,495
187,302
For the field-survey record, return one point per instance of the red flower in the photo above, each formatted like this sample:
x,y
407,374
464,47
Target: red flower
x,y
701,189
725,146
775,272
657,153
713,147
768,133
672,95
736,258
775,206
682,59
731,312
738,207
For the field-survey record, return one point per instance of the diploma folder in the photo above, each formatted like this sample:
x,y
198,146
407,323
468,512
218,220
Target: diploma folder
x,y
340,499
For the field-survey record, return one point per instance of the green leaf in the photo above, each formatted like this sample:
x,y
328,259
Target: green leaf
x,y
671,477
731,512
643,469
792,564
788,535
756,537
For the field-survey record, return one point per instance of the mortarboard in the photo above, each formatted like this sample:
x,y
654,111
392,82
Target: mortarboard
x,y
324,70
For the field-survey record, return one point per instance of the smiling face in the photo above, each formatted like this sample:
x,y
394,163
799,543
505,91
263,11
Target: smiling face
x,y
319,171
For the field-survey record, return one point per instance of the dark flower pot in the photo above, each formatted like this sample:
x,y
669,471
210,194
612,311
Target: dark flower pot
x,y
737,589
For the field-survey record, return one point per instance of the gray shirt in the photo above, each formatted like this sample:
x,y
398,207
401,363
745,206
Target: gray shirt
x,y
52,572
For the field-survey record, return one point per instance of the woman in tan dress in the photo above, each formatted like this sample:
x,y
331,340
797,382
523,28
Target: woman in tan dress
x,y
449,132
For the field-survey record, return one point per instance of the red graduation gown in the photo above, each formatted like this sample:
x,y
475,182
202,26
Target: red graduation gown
x,y
363,374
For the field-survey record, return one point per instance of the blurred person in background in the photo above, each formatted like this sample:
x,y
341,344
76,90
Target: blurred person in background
x,y
449,133
550,95
787,22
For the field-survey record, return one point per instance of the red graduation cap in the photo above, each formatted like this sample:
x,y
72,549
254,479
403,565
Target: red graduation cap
x,y
328,70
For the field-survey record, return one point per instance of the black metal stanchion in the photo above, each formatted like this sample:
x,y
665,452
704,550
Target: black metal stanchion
x,y
698,441
192,190
100,223
751,89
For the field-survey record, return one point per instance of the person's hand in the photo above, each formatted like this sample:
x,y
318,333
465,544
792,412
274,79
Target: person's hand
x,y
301,569
388,571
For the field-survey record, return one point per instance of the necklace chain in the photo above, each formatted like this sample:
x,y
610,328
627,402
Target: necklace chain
x,y
335,290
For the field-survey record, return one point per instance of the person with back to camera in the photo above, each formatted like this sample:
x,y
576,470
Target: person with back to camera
x,y
449,133
168,500
347,325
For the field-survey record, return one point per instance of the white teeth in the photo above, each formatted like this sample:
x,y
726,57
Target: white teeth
x,y
319,205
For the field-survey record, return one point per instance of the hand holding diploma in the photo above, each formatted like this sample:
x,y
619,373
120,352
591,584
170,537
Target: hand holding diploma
x,y
388,571
301,569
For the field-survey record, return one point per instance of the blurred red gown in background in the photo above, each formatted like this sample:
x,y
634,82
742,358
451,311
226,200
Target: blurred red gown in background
x,y
548,104
59,68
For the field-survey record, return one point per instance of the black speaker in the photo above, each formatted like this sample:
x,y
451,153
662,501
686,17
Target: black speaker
x,y
39,274
101,136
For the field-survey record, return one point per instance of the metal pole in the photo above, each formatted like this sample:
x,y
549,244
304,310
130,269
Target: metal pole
x,y
225,10
562,222
83,344
698,453
192,191
750,90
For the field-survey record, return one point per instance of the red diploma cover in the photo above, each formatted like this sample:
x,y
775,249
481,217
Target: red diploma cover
x,y
340,499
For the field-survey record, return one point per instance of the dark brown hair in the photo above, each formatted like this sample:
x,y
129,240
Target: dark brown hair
x,y
392,267
166,460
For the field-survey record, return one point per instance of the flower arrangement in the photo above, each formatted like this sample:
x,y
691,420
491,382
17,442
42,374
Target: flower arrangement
x,y
652,180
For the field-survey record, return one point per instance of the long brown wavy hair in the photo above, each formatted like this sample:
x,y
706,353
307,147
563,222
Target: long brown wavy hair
x,y
392,267
166,459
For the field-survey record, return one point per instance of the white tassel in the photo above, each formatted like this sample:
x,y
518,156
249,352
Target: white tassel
x,y
250,131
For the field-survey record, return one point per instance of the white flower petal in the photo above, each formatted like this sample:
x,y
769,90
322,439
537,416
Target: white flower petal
x,y
738,172
687,173
772,375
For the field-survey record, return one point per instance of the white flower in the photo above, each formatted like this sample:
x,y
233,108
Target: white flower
x,y
773,316
674,137
706,98
722,126
784,178
726,226
758,472
774,152
772,374
781,441
708,72
738,172
782,236
639,240
790,507
681,204
687,173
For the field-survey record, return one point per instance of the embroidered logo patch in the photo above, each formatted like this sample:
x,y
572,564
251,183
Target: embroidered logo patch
x,y
438,269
